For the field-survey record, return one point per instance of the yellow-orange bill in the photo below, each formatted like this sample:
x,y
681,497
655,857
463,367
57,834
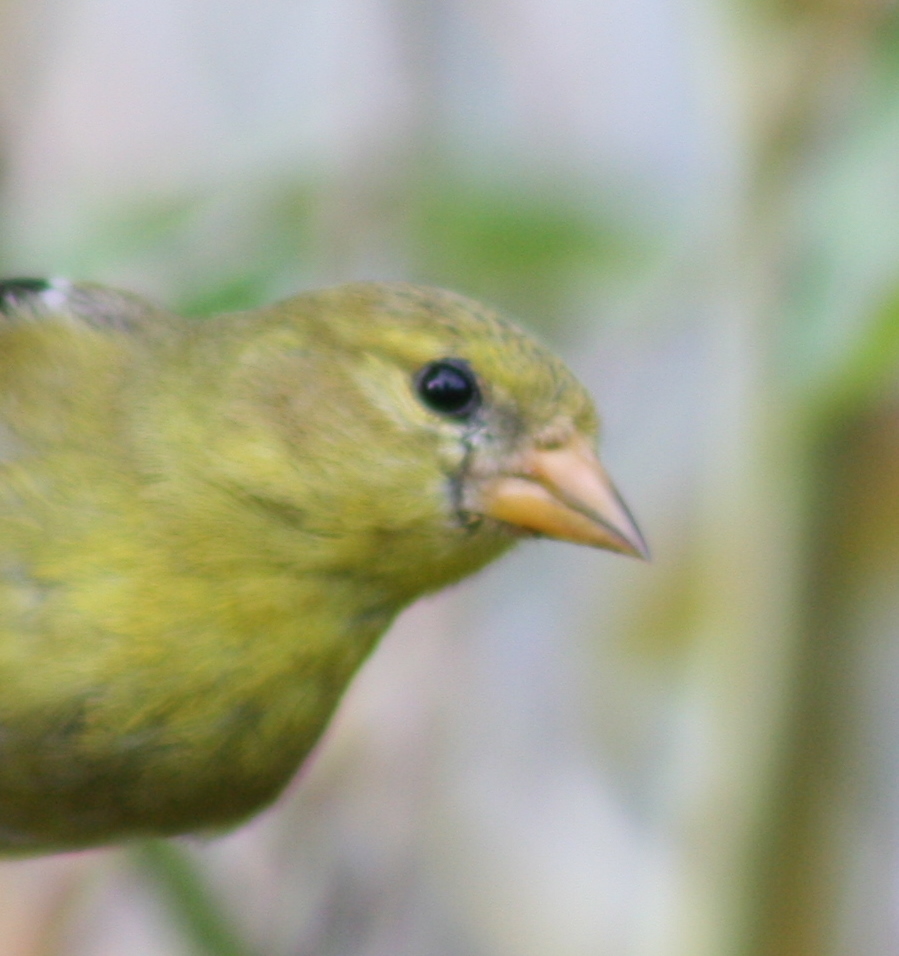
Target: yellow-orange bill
x,y
565,493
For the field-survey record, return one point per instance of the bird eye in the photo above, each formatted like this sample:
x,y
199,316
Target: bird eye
x,y
449,387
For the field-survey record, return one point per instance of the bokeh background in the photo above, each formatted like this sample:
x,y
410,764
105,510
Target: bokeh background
x,y
697,203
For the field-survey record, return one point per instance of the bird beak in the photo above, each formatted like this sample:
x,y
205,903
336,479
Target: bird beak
x,y
564,493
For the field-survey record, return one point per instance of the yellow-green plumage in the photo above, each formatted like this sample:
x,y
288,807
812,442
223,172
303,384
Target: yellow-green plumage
x,y
205,526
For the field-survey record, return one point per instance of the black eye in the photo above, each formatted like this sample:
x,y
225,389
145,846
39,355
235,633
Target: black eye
x,y
448,386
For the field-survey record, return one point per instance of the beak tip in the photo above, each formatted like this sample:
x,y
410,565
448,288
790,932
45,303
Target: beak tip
x,y
641,551
631,545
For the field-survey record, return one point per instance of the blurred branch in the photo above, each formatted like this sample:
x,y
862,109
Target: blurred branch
x,y
190,900
854,531
756,861
800,882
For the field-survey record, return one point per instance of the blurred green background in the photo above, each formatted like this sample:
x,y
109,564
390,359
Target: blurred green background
x,y
697,203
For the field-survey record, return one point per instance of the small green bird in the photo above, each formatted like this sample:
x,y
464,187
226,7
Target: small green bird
x,y
206,525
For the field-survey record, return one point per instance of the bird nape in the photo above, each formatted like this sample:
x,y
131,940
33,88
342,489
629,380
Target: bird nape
x,y
206,525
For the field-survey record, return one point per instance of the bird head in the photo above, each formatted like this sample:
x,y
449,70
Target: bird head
x,y
414,432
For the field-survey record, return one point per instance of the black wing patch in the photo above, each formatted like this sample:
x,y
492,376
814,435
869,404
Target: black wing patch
x,y
14,293
97,306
